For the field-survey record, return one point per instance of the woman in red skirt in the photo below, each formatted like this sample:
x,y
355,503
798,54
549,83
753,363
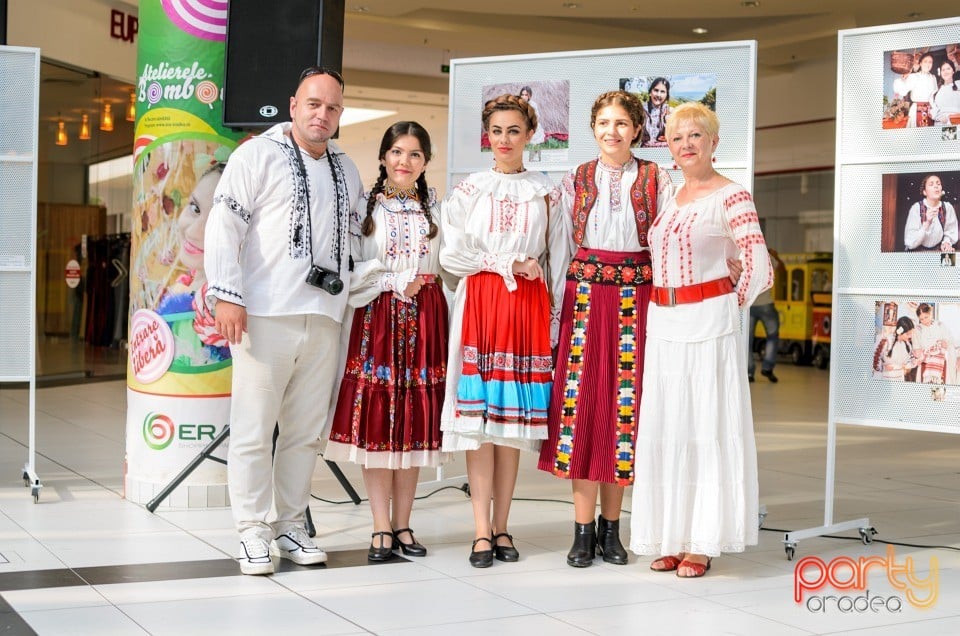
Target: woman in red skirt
x,y
596,390
498,240
388,410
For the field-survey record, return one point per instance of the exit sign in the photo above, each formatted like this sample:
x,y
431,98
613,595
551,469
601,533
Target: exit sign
x,y
444,68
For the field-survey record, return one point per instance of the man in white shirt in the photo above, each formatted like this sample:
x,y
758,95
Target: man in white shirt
x,y
278,257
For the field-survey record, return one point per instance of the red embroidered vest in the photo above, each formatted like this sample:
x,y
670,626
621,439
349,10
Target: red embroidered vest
x,y
643,197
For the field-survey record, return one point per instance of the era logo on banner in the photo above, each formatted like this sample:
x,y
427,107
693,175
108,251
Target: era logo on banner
x,y
813,574
123,26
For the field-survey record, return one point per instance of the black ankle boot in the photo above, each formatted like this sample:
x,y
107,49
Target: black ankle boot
x,y
584,545
609,541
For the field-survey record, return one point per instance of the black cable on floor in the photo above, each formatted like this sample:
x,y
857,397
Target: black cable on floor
x,y
462,489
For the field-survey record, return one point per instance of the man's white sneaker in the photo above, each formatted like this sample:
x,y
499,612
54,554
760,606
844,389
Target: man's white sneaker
x,y
255,556
295,544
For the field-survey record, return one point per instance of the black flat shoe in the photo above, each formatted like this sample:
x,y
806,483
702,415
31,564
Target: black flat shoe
x,y
481,558
383,553
414,548
505,553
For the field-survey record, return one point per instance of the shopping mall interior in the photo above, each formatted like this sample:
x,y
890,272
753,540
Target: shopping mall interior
x,y
83,559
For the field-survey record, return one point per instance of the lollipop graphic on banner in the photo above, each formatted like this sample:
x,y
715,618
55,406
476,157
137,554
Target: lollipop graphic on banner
x,y
207,93
154,93
205,19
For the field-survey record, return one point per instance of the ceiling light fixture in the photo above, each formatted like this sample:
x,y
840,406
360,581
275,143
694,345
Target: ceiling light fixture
x,y
84,127
750,4
361,9
700,31
570,5
132,107
61,132
106,118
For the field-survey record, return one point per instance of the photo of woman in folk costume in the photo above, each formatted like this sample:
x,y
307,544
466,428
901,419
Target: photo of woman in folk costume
x,y
919,86
945,108
387,417
609,203
499,238
657,111
931,222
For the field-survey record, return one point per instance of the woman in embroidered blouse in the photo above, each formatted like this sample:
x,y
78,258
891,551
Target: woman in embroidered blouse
x,y
931,222
946,102
539,136
610,202
919,86
657,111
695,493
388,410
498,239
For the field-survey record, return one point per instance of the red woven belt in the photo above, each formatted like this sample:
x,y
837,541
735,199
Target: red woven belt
x,y
670,296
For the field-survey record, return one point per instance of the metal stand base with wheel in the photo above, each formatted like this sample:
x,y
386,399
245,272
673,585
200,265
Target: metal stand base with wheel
x,y
207,453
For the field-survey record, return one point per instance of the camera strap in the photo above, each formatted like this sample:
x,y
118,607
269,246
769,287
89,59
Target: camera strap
x,y
339,191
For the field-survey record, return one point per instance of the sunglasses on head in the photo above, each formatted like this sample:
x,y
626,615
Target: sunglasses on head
x,y
310,71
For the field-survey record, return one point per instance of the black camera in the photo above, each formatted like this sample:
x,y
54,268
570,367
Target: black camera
x,y
326,279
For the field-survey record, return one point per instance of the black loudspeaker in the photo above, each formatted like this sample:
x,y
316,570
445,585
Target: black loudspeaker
x,y
268,45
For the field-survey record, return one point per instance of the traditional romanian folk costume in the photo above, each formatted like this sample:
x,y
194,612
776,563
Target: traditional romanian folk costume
x,y
920,88
943,227
593,407
388,410
272,219
696,485
938,355
500,367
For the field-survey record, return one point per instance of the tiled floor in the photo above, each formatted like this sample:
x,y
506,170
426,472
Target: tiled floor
x,y
85,561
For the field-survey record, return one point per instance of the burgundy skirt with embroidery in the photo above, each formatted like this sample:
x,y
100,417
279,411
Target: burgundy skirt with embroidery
x,y
594,405
388,408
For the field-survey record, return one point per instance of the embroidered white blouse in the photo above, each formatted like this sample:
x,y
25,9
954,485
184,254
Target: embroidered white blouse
x,y
690,244
398,250
256,249
611,224
915,236
491,220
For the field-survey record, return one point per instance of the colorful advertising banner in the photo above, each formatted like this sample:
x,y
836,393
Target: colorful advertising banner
x,y
178,376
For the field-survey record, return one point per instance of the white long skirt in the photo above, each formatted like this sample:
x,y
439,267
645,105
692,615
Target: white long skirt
x,y
696,485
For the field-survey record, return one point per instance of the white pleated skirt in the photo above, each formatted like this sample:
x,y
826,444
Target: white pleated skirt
x,y
695,489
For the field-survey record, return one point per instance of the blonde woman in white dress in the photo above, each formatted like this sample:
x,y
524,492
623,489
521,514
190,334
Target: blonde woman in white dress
x,y
695,493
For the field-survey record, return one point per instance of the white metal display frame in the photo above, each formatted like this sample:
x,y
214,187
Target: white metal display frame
x,y
24,63
849,153
590,73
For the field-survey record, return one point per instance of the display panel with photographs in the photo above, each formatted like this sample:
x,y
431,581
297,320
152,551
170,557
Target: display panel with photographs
x,y
916,341
660,94
919,212
920,87
551,101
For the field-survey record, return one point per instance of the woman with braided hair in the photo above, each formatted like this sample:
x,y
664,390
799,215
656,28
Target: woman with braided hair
x,y
387,417
500,237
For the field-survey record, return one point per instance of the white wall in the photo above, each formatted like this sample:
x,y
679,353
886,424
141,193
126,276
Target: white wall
x,y
76,32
